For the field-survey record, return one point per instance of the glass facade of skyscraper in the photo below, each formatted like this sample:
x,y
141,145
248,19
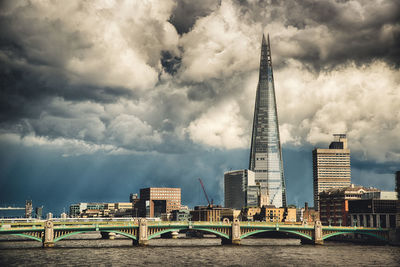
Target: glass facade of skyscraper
x,y
265,151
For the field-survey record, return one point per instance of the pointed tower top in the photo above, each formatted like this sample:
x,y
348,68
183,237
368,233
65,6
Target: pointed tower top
x,y
265,41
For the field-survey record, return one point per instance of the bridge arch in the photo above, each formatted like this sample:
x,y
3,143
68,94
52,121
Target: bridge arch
x,y
213,232
355,232
162,232
29,236
301,235
82,232
194,229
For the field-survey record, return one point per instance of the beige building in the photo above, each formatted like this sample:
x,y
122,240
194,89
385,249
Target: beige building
x,y
272,214
207,213
331,167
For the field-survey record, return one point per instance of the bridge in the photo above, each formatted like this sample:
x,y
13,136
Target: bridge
x,y
141,231
12,208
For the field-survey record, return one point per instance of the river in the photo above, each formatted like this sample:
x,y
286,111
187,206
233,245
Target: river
x,y
90,250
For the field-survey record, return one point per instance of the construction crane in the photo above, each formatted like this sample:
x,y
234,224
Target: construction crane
x,y
204,190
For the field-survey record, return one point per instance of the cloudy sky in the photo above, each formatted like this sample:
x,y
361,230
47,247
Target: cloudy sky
x,y
101,98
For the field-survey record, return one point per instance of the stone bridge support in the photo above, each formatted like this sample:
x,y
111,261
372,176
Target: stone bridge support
x,y
318,233
142,236
235,234
48,237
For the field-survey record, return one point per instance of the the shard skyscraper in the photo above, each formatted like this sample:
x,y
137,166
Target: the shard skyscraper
x,y
265,151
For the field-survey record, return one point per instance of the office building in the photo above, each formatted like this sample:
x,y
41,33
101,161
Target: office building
x,y
331,167
334,204
240,189
155,201
388,195
380,213
265,150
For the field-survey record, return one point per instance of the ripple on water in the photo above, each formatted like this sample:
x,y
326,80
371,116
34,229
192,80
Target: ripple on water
x,y
89,250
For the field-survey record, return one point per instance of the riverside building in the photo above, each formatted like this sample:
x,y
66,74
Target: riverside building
x,y
334,203
331,167
155,201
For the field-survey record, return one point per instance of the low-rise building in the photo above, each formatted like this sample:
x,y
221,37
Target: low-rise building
x,y
207,213
75,210
270,213
182,215
310,215
373,212
248,213
334,204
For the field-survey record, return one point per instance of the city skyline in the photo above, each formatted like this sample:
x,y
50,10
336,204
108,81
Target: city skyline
x,y
100,99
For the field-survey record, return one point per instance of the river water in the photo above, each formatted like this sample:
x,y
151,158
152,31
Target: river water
x,y
90,250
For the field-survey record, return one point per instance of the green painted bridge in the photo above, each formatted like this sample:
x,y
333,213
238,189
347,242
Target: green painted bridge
x,y
141,231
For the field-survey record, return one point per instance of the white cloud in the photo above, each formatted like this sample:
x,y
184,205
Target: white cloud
x,y
220,126
362,101
219,45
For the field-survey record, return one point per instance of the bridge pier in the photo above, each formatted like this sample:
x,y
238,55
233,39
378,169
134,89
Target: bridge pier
x,y
48,237
142,237
235,234
318,233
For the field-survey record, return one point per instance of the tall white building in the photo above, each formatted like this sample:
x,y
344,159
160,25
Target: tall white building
x,y
331,167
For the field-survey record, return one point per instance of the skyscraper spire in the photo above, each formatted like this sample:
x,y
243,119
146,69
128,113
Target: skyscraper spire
x,y
265,152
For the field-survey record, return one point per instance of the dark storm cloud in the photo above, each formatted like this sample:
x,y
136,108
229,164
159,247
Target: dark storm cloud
x,y
333,32
187,12
156,89
170,62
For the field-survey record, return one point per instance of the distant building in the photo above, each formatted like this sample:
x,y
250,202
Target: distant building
x,y
388,195
76,210
155,201
331,167
374,212
28,209
310,215
133,197
39,212
272,214
207,213
334,204
182,215
249,213
240,189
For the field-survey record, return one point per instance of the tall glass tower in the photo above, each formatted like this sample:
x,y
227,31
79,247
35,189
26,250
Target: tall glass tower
x,y
265,151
